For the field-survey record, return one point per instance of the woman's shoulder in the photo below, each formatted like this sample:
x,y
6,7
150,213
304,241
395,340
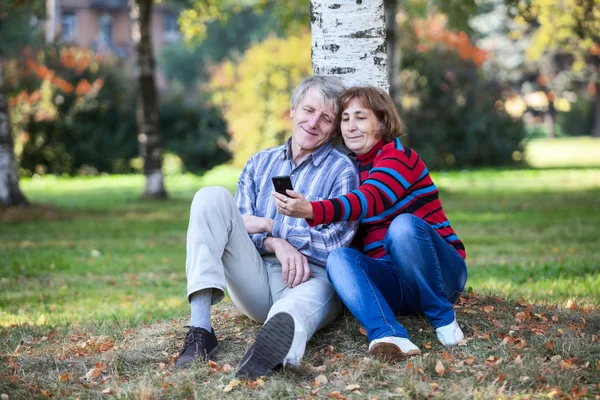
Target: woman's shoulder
x,y
395,148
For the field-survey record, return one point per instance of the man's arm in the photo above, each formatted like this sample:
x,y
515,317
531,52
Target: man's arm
x,y
245,198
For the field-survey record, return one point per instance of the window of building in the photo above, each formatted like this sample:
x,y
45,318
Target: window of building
x,y
106,29
68,25
171,30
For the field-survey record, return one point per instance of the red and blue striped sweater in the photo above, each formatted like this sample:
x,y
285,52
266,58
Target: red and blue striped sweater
x,y
394,180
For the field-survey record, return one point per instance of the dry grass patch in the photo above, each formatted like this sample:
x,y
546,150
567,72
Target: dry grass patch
x,y
512,350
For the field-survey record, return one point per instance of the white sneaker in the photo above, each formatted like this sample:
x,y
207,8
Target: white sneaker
x,y
393,348
450,335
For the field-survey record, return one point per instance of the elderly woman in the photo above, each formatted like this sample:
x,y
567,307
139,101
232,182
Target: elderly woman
x,y
410,260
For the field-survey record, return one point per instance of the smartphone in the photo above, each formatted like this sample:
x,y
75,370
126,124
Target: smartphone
x,y
282,183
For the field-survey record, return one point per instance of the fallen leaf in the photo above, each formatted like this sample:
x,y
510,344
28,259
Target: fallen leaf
x,y
362,331
320,380
352,387
518,360
64,377
227,368
107,391
488,309
212,364
427,345
232,384
469,360
336,395
571,305
549,345
439,368
493,361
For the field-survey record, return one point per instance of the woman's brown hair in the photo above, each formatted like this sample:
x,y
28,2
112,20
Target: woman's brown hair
x,y
380,103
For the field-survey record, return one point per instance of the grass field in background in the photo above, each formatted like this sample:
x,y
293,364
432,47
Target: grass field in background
x,y
92,274
583,151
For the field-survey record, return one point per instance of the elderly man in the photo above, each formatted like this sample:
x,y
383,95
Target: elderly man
x,y
273,266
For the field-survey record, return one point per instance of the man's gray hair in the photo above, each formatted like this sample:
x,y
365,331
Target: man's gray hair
x,y
328,89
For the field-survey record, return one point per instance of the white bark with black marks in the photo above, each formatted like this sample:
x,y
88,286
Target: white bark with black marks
x,y
348,41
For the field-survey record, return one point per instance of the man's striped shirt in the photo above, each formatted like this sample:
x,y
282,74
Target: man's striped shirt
x,y
325,173
394,181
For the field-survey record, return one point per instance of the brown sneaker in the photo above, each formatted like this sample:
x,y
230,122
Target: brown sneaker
x,y
198,343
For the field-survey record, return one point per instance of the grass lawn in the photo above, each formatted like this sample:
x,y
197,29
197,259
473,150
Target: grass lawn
x,y
92,298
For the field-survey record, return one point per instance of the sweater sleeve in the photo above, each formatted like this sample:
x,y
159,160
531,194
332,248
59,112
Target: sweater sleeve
x,y
394,172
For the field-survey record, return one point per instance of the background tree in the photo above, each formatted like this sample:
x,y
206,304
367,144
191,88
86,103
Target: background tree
x,y
567,29
147,103
15,32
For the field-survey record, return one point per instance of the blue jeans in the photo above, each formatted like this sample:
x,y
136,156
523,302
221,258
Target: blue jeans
x,y
421,273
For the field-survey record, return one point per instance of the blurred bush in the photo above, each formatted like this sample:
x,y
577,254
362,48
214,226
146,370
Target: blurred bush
x,y
194,131
579,121
453,112
73,112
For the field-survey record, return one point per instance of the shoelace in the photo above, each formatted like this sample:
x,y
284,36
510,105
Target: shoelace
x,y
194,335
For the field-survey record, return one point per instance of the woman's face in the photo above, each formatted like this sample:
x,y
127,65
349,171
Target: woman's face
x,y
361,129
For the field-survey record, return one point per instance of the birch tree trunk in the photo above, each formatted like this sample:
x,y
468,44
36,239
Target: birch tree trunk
x,y
348,41
10,193
147,103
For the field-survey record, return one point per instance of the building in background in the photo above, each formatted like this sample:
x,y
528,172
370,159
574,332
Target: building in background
x,y
105,26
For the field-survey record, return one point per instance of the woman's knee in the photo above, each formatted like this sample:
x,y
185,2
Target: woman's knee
x,y
406,225
340,261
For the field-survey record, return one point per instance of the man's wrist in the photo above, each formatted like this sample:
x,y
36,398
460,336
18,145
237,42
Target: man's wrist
x,y
268,226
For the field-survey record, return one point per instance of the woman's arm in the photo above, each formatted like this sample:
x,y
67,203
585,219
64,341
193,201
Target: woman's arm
x,y
393,173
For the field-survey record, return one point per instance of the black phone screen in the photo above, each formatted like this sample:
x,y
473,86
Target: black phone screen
x,y
282,183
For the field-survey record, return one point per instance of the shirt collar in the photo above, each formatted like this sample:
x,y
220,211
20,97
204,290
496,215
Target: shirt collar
x,y
316,156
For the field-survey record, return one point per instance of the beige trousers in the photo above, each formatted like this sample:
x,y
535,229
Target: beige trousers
x,y
221,255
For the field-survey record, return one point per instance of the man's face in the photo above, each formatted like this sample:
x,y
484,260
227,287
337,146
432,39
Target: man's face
x,y
313,124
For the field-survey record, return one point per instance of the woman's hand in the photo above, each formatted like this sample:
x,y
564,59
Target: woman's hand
x,y
295,205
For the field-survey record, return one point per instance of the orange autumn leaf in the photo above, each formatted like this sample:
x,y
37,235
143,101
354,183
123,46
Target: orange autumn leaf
x,y
439,368
83,87
488,309
64,377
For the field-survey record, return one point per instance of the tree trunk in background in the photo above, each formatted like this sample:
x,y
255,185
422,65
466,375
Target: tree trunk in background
x,y
348,41
393,51
596,128
147,103
10,193
550,119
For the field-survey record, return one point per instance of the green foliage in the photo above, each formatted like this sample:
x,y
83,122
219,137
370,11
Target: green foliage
x,y
194,132
567,26
186,62
194,20
74,112
18,26
453,113
255,93
65,124
579,120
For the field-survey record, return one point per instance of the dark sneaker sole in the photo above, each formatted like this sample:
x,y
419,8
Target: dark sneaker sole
x,y
272,345
391,352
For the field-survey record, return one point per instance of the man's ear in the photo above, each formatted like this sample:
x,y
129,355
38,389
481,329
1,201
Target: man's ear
x,y
292,110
